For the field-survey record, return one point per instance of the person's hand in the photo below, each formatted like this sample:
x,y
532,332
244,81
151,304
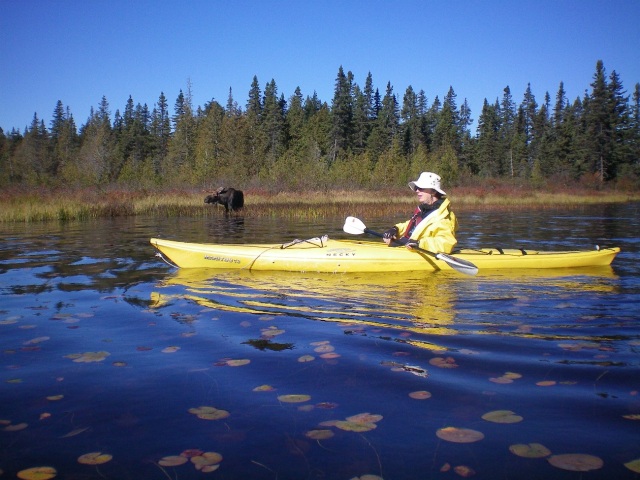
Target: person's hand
x,y
411,244
390,235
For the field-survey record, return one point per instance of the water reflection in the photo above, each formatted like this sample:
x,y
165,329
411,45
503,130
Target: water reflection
x,y
414,304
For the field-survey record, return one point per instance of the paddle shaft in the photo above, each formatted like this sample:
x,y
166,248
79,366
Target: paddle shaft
x,y
377,234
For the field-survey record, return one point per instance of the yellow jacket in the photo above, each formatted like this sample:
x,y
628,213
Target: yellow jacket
x,y
436,232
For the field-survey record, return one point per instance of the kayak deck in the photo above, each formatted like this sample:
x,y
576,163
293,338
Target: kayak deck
x,y
322,254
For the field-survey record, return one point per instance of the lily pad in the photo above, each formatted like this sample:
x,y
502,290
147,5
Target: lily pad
x,y
320,434
420,395
264,388
88,357
464,471
531,450
459,435
324,349
502,416
172,461
209,413
238,363
94,458
294,398
207,462
633,465
330,355
576,462
365,418
633,416
355,426
37,473
15,427
442,362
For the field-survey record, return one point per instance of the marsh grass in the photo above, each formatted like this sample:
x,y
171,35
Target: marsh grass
x,y
63,205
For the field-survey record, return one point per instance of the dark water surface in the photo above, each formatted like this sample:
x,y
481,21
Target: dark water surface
x,y
104,348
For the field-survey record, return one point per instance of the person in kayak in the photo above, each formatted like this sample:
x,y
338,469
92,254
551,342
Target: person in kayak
x,y
433,225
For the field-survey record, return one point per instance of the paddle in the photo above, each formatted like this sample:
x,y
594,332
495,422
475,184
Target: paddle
x,y
354,226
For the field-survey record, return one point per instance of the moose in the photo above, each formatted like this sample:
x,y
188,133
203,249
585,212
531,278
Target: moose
x,y
230,198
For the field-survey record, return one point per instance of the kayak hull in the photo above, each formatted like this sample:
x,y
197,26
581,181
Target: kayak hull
x,y
344,256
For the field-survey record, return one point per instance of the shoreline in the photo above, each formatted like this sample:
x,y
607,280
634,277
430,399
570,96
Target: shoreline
x,y
65,205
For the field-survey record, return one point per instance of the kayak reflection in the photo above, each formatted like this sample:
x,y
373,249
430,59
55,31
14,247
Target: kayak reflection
x,y
401,305
410,302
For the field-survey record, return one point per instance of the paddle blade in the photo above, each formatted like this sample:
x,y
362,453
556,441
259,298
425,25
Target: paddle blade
x,y
459,264
354,226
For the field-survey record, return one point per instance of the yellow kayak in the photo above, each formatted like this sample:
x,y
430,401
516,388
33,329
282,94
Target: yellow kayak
x,y
322,254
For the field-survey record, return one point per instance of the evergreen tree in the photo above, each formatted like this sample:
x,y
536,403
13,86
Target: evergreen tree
x,y
342,113
543,141
488,146
620,125
95,157
312,105
253,135
10,172
634,132
423,114
447,127
181,153
529,110
4,159
363,114
560,105
386,125
411,122
466,144
232,107
507,130
254,103
295,121
520,145
273,123
209,163
430,121
598,116
361,120
63,143
318,131
235,152
32,158
160,131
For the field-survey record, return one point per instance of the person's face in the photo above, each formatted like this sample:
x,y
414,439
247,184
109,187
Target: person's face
x,y
426,195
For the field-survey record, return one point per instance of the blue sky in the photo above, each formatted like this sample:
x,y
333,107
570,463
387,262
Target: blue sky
x,y
78,51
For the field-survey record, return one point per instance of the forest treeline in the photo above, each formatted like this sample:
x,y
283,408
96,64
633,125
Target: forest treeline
x,y
363,138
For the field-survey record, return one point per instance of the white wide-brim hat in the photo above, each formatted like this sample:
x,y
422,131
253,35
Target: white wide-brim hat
x,y
427,180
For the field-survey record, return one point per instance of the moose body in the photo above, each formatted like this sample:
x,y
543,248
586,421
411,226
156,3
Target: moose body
x,y
230,198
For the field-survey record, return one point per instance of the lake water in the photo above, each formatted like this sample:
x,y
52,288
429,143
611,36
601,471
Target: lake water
x,y
108,351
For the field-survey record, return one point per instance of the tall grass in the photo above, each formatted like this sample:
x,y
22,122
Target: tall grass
x,y
34,206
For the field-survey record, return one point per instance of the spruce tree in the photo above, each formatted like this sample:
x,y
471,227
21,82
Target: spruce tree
x,y
507,130
295,120
160,130
410,122
273,123
385,126
598,116
342,113
487,159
